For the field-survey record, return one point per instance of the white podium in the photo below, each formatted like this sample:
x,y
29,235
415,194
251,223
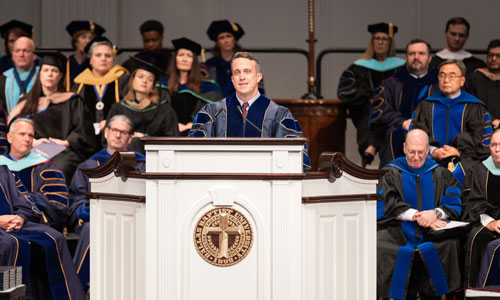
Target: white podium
x,y
232,219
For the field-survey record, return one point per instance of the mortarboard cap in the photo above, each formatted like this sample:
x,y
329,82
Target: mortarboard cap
x,y
220,26
151,25
388,28
56,59
51,58
76,26
184,43
148,66
5,28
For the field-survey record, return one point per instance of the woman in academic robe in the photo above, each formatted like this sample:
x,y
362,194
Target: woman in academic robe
x,y
102,84
81,32
189,92
226,35
147,107
358,82
60,117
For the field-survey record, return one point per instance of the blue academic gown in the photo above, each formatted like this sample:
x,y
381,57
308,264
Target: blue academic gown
x,y
223,119
45,184
4,144
462,122
393,103
399,242
15,247
79,211
12,89
75,68
6,63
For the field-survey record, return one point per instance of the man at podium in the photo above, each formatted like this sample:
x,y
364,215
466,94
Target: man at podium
x,y
247,113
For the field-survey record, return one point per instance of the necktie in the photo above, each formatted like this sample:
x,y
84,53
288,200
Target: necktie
x,y
245,106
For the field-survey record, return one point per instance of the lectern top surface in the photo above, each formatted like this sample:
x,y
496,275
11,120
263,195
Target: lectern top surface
x,y
223,141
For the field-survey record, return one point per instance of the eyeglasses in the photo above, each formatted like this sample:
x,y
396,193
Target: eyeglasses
x,y
116,131
451,76
381,40
23,50
491,55
494,145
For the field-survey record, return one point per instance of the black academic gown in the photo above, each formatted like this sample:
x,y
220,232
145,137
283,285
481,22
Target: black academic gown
x,y
393,103
356,86
481,195
487,90
88,91
69,120
402,246
471,63
187,103
79,211
114,87
152,120
41,250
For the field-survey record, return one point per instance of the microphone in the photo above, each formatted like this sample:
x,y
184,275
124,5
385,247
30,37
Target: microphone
x,y
250,122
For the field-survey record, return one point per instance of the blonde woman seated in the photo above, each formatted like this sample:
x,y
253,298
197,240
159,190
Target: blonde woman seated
x,y
149,110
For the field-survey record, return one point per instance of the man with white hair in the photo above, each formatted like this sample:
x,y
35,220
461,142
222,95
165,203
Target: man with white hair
x,y
42,251
44,182
20,79
418,196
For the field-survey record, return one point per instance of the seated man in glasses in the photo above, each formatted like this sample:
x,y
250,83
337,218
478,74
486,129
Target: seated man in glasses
x,y
458,124
118,136
484,83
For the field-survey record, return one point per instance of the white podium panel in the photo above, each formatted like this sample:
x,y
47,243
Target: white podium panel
x,y
340,260
117,252
232,219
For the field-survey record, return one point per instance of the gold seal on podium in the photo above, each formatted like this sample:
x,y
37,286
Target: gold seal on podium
x,y
223,236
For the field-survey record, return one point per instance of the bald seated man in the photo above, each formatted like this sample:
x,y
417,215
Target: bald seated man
x,y
418,196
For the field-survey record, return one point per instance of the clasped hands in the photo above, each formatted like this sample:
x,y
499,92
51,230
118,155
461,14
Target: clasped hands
x,y
428,218
444,152
11,223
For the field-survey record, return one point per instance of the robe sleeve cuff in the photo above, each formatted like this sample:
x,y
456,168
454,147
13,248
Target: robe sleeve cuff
x,y
444,216
431,150
407,215
485,219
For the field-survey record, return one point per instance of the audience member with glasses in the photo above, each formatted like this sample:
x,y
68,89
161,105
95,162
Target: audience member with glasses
x,y
484,83
458,124
358,82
